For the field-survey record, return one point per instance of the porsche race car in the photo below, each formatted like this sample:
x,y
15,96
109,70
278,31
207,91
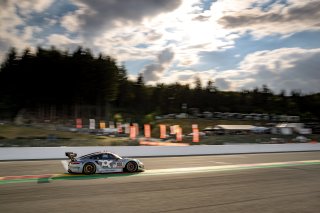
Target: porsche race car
x,y
102,162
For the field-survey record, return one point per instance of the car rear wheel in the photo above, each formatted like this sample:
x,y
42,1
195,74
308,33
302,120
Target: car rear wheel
x,y
89,169
131,166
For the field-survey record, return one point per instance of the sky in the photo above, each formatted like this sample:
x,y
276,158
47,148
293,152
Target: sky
x,y
237,44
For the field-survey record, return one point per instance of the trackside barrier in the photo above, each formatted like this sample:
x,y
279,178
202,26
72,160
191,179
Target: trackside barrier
x,y
136,126
119,127
102,124
179,134
92,123
195,136
133,132
147,131
174,130
27,153
162,131
78,123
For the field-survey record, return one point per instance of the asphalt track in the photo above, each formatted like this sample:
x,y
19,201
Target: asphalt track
x,y
282,182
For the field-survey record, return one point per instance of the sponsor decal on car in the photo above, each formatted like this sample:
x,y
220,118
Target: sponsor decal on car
x,y
105,163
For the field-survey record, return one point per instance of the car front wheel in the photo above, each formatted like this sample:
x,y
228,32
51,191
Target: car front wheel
x,y
131,166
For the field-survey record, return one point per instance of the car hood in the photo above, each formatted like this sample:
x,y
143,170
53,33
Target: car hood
x,y
131,159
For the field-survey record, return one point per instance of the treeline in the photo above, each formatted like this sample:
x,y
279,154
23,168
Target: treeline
x,y
80,84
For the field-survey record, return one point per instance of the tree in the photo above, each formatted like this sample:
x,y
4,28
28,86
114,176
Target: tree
x,y
197,83
8,107
211,87
78,83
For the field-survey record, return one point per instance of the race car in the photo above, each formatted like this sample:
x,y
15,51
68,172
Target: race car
x,y
102,162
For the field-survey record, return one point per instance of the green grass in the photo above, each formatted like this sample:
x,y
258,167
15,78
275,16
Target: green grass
x,y
30,136
12,132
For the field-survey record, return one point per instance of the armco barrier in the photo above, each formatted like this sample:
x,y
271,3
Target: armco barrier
x,y
28,153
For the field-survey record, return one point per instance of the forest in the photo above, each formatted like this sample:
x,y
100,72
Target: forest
x,y
79,84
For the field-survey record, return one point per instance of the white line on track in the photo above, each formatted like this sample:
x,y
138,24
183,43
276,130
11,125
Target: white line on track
x,y
220,162
225,167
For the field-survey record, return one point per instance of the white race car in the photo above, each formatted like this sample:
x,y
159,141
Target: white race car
x,y
102,162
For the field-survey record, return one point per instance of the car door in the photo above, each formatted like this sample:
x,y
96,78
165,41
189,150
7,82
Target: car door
x,y
108,163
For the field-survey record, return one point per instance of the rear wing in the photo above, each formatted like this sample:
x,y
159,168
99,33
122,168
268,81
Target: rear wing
x,y
71,155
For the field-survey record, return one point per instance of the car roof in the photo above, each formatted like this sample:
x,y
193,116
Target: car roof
x,y
95,153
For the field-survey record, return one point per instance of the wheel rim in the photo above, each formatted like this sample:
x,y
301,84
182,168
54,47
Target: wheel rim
x,y
88,169
131,167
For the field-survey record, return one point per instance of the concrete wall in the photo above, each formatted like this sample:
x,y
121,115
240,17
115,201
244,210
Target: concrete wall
x,y
28,153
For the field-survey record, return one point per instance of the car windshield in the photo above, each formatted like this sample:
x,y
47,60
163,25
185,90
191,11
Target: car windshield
x,y
116,156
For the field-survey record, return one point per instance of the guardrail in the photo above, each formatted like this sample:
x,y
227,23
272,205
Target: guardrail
x,y
41,153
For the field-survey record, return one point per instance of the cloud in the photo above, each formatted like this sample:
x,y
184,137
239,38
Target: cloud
x,y
201,18
222,84
272,18
165,56
126,30
102,15
153,72
98,23
285,68
70,21
182,76
121,28
16,29
130,43
29,6
61,41
152,35
185,77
